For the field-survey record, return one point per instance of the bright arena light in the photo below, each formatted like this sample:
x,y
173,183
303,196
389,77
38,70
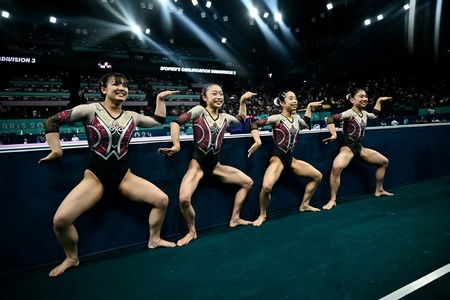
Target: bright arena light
x,y
367,22
52,20
329,6
278,17
5,14
380,17
136,29
253,12
208,4
224,40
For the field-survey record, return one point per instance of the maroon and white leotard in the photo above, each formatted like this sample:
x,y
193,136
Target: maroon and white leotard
x,y
108,137
354,127
208,134
285,133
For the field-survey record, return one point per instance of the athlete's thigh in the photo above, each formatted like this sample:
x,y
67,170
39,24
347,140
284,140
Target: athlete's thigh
x,y
273,171
191,179
230,175
372,157
343,158
304,169
83,197
139,189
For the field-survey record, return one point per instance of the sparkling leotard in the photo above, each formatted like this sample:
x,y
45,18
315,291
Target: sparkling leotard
x,y
208,134
354,127
108,138
285,133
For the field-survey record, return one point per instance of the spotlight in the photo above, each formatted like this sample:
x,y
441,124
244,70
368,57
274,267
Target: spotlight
x,y
253,12
329,6
380,17
5,14
52,20
136,29
224,40
194,2
278,17
147,31
208,4
225,18
266,14
367,22
203,15
406,7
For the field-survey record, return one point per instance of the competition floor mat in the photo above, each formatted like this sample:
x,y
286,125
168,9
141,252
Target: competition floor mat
x,y
364,248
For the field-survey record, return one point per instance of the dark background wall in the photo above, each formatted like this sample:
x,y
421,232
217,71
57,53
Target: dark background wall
x,y
31,193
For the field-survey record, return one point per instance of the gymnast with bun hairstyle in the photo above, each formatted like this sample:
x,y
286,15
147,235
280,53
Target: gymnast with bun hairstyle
x,y
353,129
108,130
285,129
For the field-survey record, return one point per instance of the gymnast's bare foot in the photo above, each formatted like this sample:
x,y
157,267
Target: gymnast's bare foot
x,y
329,205
304,208
259,221
187,238
237,222
66,264
382,193
160,243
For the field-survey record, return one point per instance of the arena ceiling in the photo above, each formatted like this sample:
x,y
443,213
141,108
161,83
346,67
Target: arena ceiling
x,y
308,31
176,20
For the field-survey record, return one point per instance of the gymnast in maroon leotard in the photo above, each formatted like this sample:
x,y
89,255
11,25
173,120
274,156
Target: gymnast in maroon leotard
x,y
209,128
285,128
354,127
108,130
